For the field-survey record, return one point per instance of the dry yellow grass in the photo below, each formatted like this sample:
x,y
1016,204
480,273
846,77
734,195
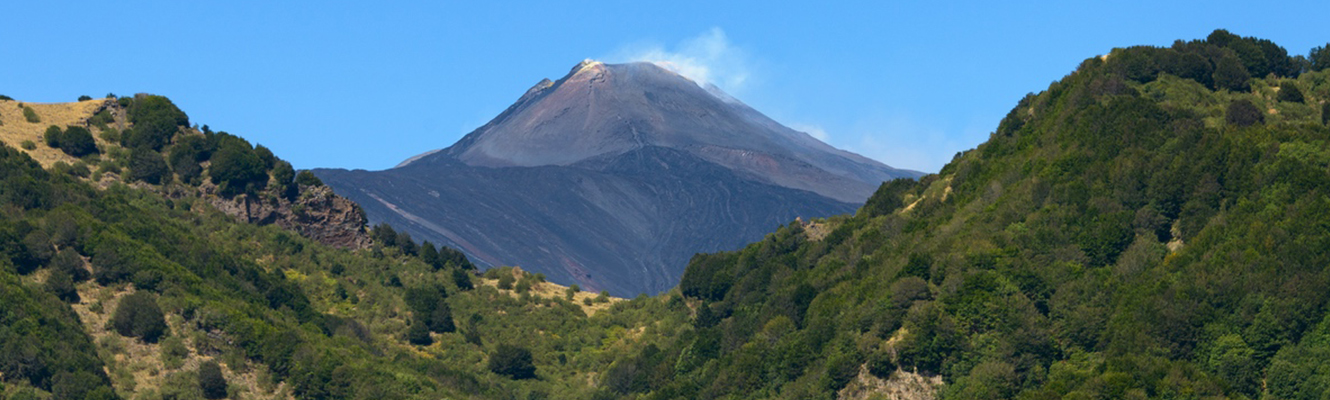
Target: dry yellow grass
x,y
16,129
144,359
552,290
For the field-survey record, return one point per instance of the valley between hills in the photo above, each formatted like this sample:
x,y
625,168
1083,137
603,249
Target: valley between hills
x,y
1154,224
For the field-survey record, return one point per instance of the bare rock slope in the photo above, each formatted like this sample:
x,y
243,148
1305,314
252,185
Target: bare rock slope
x,y
612,178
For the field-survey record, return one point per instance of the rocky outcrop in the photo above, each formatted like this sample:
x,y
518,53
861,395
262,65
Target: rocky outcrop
x,y
317,213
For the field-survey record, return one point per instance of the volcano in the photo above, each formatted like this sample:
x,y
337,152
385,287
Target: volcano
x,y
612,178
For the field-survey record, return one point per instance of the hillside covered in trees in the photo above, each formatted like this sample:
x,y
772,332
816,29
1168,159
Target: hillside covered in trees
x,y
1155,224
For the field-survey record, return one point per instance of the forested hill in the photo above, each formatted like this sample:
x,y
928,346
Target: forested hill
x,y
1155,224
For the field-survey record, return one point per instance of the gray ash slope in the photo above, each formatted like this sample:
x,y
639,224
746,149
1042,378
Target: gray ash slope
x,y
612,178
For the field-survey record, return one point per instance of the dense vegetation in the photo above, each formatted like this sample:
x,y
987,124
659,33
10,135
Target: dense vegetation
x,y
170,274
1152,225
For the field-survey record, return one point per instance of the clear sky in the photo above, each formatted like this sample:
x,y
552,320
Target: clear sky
x,y
368,84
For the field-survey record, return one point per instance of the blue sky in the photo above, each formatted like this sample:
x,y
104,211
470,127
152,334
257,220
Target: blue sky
x,y
368,84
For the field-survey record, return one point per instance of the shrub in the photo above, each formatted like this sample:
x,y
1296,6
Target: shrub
x,y
306,178
418,335
430,308
77,141
1289,92
572,291
85,98
1325,114
147,165
285,176
1243,113
604,297
3,97
1319,57
1231,75
265,155
155,120
69,262
236,169
211,381
462,279
139,316
523,285
28,145
62,285
506,281
31,116
513,362
53,135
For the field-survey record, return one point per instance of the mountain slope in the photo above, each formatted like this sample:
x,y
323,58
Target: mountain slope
x,y
118,287
612,177
1154,225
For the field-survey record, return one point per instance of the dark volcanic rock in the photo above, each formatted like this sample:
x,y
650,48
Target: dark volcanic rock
x,y
612,178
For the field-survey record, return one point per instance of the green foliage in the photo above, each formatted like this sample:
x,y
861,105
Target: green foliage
x,y
1231,75
139,316
462,279
236,169
29,115
418,334
1319,57
306,178
512,361
75,141
1289,92
506,281
887,198
211,381
85,98
28,145
156,121
62,285
148,166
1243,113
284,176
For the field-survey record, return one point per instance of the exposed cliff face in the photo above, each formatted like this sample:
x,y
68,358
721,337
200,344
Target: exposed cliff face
x,y
317,213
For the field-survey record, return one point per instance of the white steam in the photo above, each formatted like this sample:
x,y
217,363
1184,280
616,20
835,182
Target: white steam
x,y
707,59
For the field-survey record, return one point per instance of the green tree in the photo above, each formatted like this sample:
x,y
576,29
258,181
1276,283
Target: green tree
x,y
512,361
418,334
1243,113
1319,57
211,381
62,285
147,165
77,141
1231,75
237,170
462,279
285,176
53,135
69,262
156,120
139,316
306,178
1288,91
85,98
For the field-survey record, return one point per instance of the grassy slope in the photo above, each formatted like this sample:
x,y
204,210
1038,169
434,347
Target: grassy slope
x,y
285,316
